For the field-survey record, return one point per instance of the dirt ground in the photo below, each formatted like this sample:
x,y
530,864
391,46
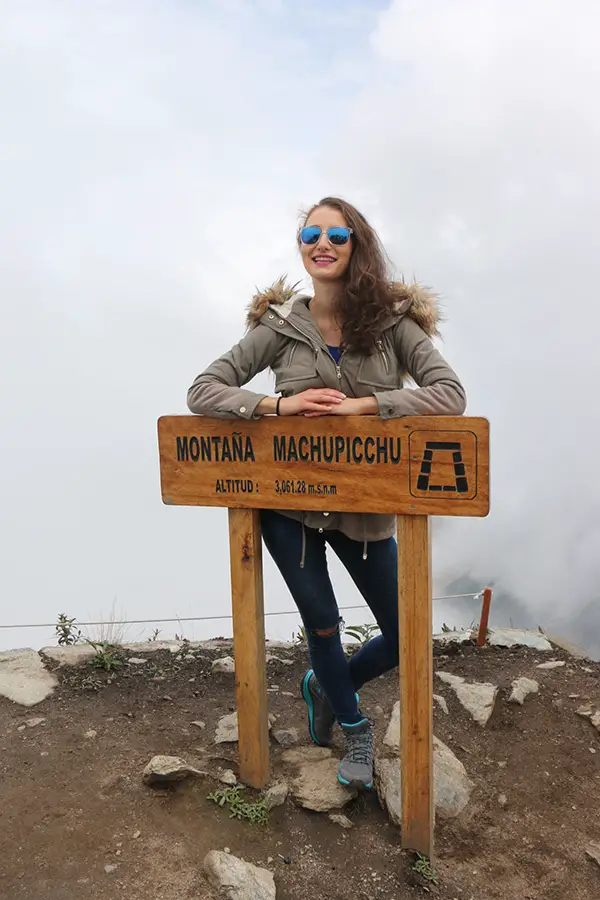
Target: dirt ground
x,y
72,804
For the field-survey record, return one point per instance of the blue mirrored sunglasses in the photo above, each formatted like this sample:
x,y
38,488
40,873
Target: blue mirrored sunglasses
x,y
336,236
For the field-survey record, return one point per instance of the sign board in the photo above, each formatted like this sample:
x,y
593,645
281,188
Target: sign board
x,y
415,466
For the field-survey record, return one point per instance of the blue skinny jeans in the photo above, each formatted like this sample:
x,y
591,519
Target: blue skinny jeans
x,y
376,577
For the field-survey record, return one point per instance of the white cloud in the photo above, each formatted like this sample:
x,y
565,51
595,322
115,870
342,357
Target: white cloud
x,y
154,157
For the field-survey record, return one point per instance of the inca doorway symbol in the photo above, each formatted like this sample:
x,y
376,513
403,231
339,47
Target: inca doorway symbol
x,y
443,465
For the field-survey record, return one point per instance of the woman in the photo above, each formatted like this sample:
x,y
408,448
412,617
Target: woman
x,y
342,352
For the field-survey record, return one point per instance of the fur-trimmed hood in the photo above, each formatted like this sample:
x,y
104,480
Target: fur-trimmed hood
x,y
414,300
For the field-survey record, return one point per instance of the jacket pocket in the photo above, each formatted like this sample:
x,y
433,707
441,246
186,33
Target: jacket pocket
x,y
297,364
379,369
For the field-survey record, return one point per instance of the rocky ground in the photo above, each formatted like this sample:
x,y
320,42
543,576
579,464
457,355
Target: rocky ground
x,y
112,781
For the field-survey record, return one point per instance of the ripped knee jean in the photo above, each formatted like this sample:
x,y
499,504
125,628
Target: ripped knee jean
x,y
376,578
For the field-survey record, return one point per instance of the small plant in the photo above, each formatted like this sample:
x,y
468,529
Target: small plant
x,y
66,631
105,655
154,635
300,636
362,633
256,813
422,866
183,650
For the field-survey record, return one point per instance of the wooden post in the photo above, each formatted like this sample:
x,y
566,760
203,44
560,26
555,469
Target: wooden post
x,y
416,682
249,645
485,617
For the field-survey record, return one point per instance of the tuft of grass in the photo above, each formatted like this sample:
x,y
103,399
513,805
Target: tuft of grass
x,y
422,866
105,656
256,813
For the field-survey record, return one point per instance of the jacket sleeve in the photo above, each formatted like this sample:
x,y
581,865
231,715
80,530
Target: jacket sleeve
x,y
218,390
439,391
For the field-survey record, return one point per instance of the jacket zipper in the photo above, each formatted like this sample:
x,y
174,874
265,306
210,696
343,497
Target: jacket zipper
x,y
338,366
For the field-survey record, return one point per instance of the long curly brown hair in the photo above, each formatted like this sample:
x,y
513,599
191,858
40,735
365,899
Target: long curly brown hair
x,y
367,299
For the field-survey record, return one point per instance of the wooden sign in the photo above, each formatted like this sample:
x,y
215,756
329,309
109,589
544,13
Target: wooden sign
x,y
412,466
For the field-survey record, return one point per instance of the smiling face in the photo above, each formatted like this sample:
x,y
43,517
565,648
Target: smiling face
x,y
323,260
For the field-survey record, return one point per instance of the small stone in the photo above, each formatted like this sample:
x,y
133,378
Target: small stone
x,y
39,720
269,860
44,753
378,710
227,728
21,727
225,665
477,698
340,819
286,736
441,701
502,800
168,768
521,688
277,795
199,724
137,661
226,850
109,868
270,657
228,777
593,852
574,696
168,698
502,764
91,734
553,664
287,694
136,834
240,880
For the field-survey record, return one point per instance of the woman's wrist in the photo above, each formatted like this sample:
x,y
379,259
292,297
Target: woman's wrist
x,y
267,406
369,406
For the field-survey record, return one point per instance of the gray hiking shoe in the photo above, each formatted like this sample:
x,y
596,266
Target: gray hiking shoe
x,y
356,768
320,714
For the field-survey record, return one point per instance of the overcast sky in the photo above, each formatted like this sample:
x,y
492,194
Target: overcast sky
x,y
153,158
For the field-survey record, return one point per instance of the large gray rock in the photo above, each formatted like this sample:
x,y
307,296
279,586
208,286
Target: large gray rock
x,y
588,713
236,879
162,769
518,637
478,698
453,637
452,787
225,665
392,735
317,787
522,688
23,677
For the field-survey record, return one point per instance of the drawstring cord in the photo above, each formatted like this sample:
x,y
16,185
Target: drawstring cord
x,y
303,553
365,544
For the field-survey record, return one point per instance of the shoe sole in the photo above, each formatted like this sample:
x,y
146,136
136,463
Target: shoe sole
x,y
307,696
357,785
